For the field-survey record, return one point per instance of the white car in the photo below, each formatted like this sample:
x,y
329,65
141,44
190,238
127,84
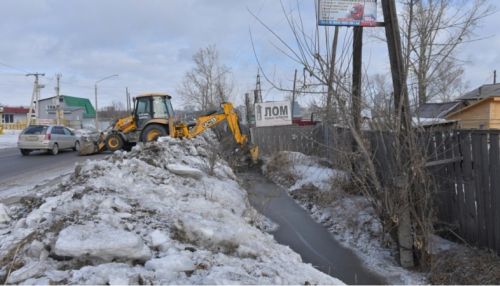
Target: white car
x,y
47,137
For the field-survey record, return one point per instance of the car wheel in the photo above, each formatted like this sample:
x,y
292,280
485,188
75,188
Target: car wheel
x,y
25,152
77,146
152,132
55,149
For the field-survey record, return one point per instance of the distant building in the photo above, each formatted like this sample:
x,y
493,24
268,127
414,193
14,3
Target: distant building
x,y
438,110
78,111
14,114
482,114
480,93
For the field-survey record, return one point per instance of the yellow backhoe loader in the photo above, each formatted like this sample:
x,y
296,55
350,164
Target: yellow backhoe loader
x,y
153,117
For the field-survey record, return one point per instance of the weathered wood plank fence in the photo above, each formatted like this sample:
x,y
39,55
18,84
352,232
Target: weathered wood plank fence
x,y
464,165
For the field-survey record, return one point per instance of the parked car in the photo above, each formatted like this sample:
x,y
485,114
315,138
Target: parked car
x,y
47,137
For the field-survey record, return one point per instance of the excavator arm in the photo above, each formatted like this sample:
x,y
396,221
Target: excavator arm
x,y
211,120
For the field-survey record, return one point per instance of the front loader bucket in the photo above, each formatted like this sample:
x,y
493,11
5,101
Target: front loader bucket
x,y
88,148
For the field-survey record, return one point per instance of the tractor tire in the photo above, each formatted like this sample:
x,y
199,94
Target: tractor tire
x,y
152,132
114,142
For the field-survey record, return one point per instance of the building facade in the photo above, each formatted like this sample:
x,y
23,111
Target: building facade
x,y
14,114
78,112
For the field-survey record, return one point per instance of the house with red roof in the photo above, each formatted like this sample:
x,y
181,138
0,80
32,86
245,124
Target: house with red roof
x,y
14,114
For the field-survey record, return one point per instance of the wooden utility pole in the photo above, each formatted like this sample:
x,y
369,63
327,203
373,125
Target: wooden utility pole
x,y
294,91
357,62
331,78
401,104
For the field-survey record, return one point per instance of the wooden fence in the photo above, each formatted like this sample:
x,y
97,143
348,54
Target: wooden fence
x,y
284,138
468,183
464,165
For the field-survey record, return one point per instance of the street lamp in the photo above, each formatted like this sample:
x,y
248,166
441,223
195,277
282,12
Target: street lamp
x,y
96,106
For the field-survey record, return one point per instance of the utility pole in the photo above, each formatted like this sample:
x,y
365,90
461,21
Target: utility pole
x,y
357,61
331,78
401,104
58,99
294,91
95,93
127,98
35,98
248,108
258,90
495,77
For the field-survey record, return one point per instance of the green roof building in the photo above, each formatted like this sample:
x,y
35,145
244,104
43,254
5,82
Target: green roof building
x,y
79,111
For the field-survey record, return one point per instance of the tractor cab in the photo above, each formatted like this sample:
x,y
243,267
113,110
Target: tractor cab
x,y
152,106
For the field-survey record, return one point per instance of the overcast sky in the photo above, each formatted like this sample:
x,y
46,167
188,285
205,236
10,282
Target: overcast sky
x,y
150,44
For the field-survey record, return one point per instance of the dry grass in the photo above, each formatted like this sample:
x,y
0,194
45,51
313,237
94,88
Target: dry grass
x,y
465,266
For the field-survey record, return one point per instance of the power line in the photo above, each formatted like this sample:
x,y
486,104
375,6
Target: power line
x,y
13,67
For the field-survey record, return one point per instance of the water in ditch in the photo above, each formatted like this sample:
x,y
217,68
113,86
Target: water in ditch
x,y
305,236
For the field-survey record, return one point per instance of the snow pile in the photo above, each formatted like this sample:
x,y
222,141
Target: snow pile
x,y
351,219
149,216
9,138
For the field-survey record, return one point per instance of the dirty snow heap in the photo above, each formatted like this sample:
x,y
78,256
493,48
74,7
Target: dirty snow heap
x,y
150,216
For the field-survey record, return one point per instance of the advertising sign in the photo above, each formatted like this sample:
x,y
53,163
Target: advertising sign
x,y
347,13
273,113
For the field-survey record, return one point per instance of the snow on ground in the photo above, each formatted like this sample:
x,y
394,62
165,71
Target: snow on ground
x,y
9,138
149,216
350,218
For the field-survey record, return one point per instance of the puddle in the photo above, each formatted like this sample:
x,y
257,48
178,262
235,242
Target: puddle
x,y
305,236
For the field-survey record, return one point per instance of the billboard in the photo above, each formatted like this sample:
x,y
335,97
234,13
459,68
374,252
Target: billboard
x,y
273,113
347,13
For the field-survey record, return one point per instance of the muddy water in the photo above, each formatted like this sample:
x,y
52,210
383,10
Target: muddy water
x,y
305,236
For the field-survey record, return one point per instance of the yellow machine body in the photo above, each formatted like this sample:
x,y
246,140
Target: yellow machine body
x,y
148,126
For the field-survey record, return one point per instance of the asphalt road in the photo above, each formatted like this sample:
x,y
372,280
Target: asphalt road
x,y
18,170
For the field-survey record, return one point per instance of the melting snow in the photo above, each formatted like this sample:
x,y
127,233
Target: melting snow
x,y
9,139
351,219
150,216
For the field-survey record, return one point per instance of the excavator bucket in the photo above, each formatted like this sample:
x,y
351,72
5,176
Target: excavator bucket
x,y
254,154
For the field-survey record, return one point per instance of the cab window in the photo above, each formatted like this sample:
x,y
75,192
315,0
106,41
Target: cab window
x,y
143,107
170,110
159,108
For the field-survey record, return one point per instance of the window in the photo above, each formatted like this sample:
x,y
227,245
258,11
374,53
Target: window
x,y
8,118
57,130
159,107
143,106
68,132
35,130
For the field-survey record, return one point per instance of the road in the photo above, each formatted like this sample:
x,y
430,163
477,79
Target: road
x,y
305,236
17,171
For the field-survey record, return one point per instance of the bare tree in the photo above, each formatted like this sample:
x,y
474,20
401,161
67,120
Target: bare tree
x,y
401,203
448,82
208,83
433,31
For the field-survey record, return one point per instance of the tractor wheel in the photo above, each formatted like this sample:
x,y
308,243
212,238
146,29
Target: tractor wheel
x,y
114,142
152,132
